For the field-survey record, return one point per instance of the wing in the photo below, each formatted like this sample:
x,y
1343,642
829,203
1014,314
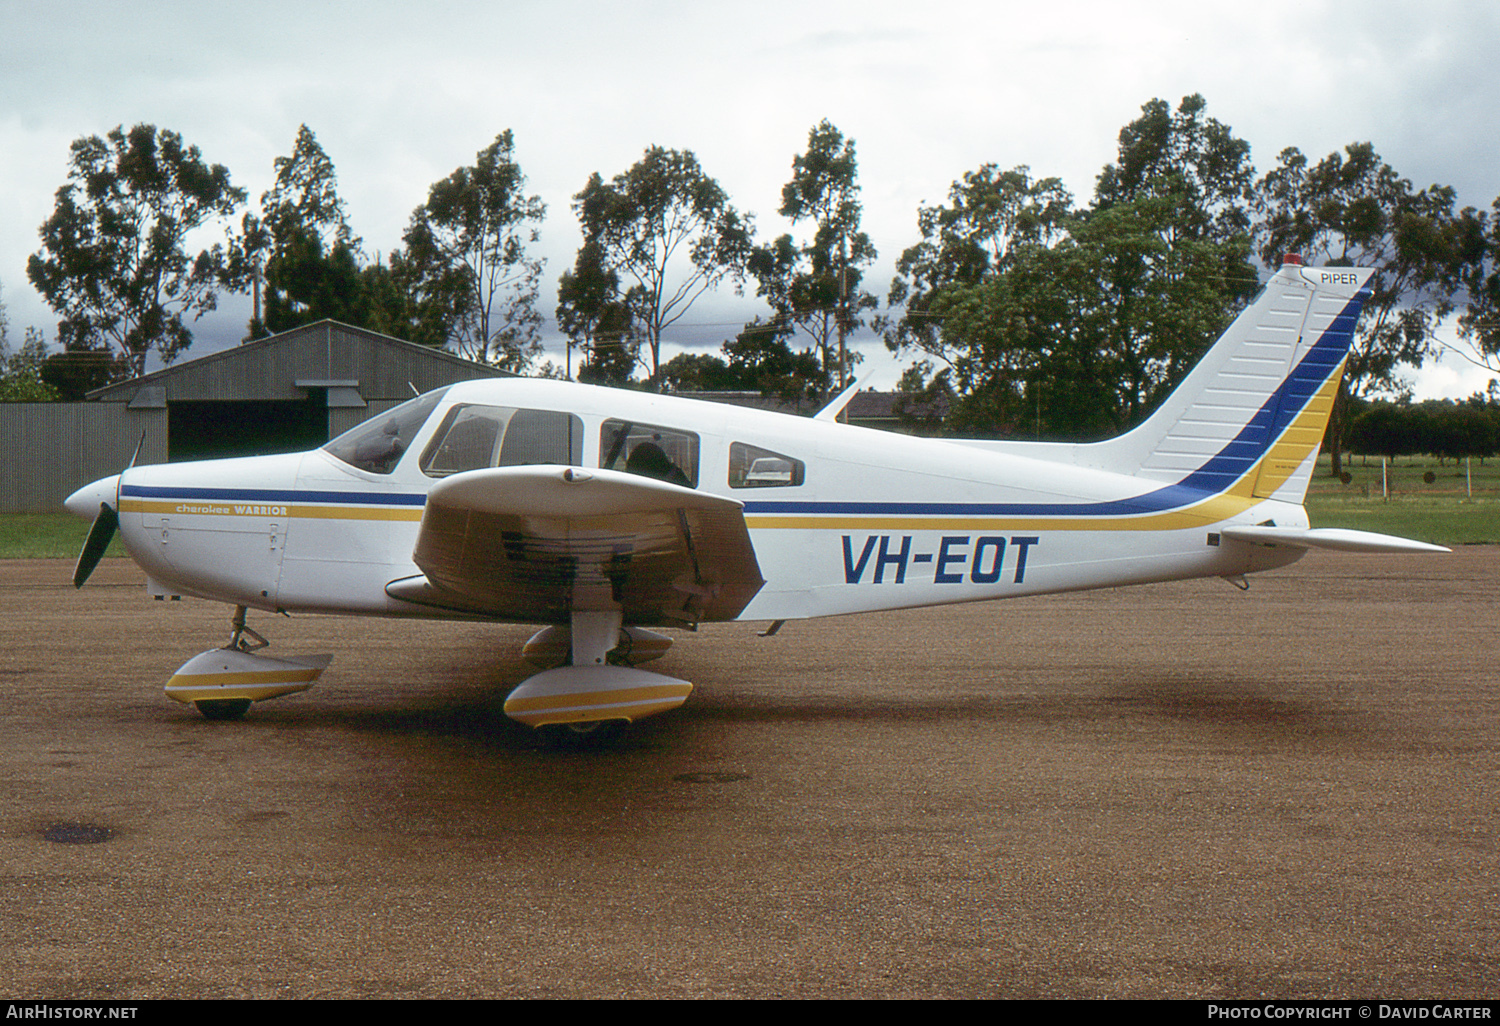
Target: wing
x,y
533,544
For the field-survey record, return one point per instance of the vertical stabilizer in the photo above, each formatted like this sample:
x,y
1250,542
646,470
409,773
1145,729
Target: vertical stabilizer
x,y
1254,409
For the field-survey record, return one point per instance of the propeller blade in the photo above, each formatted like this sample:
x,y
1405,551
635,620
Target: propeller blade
x,y
94,545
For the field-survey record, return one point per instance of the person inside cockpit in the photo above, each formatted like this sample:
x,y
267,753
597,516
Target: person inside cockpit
x,y
649,460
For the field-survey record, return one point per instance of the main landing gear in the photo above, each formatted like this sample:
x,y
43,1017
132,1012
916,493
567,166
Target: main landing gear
x,y
586,696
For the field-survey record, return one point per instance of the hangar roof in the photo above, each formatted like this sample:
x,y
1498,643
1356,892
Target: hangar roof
x,y
356,365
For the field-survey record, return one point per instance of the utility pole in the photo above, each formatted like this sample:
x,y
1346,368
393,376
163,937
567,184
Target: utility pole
x,y
843,314
255,290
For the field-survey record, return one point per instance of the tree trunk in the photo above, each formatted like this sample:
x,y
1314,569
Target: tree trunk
x,y
1333,438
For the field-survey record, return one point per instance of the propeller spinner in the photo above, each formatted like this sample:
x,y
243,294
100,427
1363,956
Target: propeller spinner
x,y
104,493
103,496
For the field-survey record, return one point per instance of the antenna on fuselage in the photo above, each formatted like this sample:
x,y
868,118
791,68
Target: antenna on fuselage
x,y
833,409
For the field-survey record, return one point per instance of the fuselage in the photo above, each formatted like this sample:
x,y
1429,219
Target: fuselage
x,y
842,519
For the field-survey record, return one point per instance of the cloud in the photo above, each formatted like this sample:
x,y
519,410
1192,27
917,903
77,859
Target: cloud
x,y
400,95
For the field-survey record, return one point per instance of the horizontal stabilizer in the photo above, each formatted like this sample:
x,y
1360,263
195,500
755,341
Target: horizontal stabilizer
x,y
1327,538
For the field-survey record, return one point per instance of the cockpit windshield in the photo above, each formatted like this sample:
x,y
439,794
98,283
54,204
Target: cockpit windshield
x,y
378,444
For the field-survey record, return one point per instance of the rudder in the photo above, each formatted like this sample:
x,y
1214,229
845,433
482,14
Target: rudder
x,y
1254,410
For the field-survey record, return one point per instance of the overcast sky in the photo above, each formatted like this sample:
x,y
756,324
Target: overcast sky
x,y
400,95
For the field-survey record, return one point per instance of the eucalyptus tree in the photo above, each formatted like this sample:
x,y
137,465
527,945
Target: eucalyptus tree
x,y
1049,320
595,316
1185,185
21,370
305,196
115,262
1478,248
670,234
1353,209
760,358
466,254
991,216
1184,153
299,257
1074,340
814,287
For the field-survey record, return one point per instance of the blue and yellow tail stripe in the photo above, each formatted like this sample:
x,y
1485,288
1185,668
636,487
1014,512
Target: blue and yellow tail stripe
x,y
1286,429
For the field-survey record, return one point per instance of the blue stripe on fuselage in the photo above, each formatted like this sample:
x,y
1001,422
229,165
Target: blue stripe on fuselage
x,y
277,495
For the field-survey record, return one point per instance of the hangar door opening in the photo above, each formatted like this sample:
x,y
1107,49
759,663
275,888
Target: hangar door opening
x,y
206,430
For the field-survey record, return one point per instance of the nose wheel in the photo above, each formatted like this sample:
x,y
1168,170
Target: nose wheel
x,y
588,734
222,682
242,639
223,708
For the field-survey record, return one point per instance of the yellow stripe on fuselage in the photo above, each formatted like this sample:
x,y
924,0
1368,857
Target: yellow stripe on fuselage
x,y
265,511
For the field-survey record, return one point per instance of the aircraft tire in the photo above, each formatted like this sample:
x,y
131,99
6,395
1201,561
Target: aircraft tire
x,y
575,736
223,708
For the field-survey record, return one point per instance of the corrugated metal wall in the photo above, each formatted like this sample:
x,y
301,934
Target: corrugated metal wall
x,y
52,449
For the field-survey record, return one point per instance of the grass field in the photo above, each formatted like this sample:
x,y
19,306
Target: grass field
x,y
1442,511
46,536
1459,506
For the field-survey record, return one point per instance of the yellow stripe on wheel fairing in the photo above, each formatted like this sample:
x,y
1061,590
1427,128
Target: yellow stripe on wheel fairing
x,y
606,704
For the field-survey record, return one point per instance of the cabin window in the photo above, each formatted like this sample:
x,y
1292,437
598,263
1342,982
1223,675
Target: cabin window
x,y
378,444
650,450
472,437
750,466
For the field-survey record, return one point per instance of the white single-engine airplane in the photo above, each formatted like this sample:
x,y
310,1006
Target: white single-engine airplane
x,y
604,512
